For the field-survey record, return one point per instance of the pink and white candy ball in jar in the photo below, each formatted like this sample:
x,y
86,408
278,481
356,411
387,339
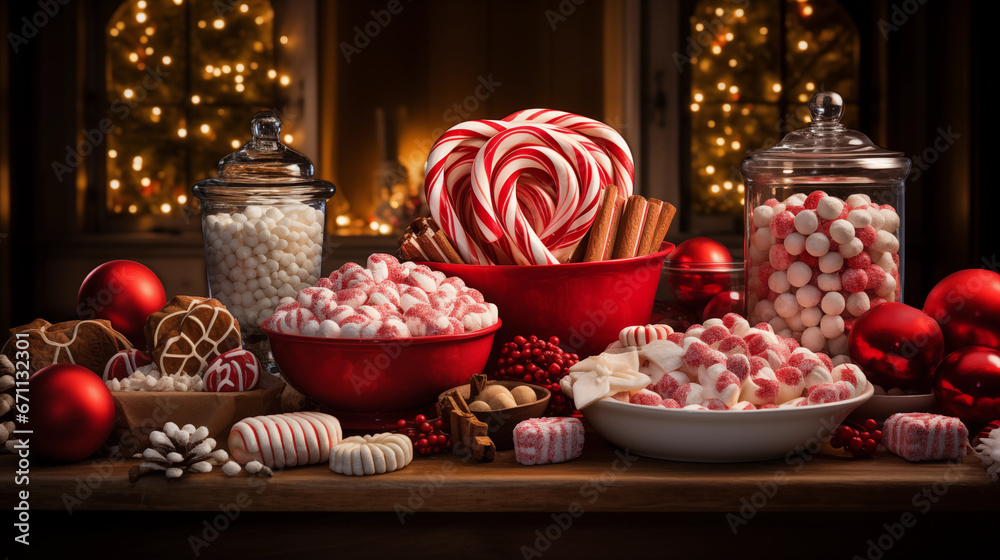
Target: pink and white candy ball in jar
x,y
824,229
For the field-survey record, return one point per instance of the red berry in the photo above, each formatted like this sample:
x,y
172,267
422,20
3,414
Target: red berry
x,y
401,423
856,444
541,362
420,419
870,425
425,427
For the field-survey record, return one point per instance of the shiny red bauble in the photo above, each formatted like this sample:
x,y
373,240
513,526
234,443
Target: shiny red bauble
x,y
967,385
123,292
723,303
669,313
897,346
697,270
967,306
72,412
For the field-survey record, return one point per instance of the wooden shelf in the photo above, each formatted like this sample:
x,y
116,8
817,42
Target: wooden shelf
x,y
599,505
603,479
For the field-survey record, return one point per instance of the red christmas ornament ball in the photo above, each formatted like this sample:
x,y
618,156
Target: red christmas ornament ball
x,y
72,412
723,303
123,292
967,306
896,345
967,385
669,313
697,270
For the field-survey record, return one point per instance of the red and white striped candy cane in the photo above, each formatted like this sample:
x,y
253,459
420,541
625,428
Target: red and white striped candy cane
x,y
530,203
606,138
537,154
448,180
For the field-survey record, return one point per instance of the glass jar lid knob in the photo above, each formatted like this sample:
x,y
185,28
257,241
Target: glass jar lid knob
x,y
265,126
264,158
826,107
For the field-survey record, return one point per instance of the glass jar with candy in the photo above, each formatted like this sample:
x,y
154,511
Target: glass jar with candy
x,y
263,221
824,229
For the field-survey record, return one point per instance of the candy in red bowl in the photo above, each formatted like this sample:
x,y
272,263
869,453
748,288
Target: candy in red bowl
x,y
379,375
584,304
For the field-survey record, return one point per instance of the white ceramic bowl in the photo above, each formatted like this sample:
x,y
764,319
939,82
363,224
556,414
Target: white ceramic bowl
x,y
717,436
881,407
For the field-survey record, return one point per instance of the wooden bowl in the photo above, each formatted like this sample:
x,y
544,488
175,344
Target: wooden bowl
x,y
501,422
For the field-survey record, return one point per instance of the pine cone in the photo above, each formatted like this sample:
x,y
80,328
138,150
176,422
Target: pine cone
x,y
6,400
178,450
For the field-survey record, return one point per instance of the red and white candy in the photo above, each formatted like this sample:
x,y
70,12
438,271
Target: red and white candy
x,y
817,261
539,441
640,336
285,440
388,299
723,364
525,189
235,370
919,436
124,363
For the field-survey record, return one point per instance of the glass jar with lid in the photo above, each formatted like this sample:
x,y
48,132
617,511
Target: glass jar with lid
x,y
263,222
824,229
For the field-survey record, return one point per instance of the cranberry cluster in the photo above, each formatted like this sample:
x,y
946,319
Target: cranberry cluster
x,y
861,441
541,362
427,435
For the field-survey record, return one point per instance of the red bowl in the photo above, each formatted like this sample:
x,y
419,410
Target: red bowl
x,y
379,375
586,305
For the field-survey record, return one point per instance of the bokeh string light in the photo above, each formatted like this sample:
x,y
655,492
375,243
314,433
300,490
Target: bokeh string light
x,y
183,78
758,67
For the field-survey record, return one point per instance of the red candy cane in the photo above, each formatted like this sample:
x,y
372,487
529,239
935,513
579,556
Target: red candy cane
x,y
540,152
533,203
606,138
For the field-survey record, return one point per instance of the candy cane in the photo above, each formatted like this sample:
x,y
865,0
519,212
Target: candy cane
x,y
543,150
448,172
523,190
606,138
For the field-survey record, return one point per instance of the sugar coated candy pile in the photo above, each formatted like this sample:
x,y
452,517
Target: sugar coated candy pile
x,y
818,263
724,364
386,299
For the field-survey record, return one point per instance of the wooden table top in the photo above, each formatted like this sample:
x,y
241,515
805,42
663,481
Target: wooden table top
x,y
603,479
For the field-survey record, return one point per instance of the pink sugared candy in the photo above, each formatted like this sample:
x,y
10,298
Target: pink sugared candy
x,y
646,397
235,370
124,363
388,299
921,436
538,441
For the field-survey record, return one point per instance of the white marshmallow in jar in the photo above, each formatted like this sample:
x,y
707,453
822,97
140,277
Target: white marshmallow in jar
x,y
824,229
263,222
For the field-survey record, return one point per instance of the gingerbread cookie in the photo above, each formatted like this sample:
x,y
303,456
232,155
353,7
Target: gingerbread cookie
x,y
235,370
188,333
89,343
